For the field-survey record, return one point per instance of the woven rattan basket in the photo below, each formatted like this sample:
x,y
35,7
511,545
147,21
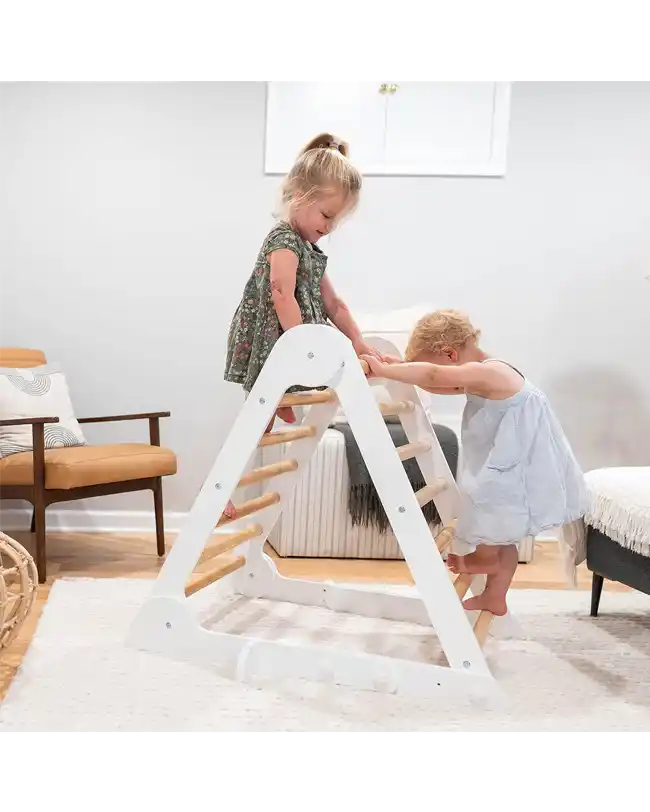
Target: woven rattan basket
x,y
18,581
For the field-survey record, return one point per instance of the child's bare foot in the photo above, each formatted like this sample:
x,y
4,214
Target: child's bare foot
x,y
230,512
484,563
488,602
493,598
287,414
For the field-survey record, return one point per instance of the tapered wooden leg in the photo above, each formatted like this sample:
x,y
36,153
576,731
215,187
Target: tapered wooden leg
x,y
160,521
40,504
596,591
39,529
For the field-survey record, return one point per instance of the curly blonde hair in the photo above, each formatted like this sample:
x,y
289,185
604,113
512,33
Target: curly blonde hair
x,y
322,166
436,331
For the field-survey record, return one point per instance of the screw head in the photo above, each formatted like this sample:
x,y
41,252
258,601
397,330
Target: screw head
x,y
466,664
310,355
402,509
168,625
262,401
217,486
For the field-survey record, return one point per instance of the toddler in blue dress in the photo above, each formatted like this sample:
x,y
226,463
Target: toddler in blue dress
x,y
519,476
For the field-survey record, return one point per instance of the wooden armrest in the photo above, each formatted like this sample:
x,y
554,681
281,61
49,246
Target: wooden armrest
x,y
25,421
118,417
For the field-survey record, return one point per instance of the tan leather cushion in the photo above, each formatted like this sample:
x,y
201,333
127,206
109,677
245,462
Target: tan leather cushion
x,y
67,468
20,358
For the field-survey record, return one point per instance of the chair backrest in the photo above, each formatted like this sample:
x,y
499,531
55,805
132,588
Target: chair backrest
x,y
19,357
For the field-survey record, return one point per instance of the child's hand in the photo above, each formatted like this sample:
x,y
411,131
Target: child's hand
x,y
376,365
362,348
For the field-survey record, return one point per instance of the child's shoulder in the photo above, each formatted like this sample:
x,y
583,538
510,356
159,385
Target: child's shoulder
x,y
282,235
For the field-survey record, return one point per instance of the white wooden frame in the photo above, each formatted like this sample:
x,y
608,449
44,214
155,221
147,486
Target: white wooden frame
x,y
168,622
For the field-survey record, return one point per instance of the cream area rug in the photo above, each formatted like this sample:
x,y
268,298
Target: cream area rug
x,y
571,672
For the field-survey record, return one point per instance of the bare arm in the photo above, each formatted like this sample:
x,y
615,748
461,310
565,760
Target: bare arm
x,y
438,390
338,312
284,264
435,378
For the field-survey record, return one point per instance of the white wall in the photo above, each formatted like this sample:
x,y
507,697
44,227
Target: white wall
x,y
131,215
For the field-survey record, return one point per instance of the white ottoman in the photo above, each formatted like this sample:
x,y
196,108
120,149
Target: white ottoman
x,y
316,522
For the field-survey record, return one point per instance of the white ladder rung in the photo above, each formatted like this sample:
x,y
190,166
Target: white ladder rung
x,y
267,472
287,436
429,492
410,450
308,398
251,506
445,537
228,541
396,407
220,571
482,626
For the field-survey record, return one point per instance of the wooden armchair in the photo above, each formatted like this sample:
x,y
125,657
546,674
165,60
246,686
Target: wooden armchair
x,y
46,476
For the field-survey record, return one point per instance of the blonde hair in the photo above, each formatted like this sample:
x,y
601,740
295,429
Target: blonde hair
x,y
436,331
322,166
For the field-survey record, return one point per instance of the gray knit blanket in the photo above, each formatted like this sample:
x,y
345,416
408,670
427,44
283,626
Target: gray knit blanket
x,y
364,505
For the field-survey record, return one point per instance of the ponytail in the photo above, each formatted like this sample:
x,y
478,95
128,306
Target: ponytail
x,y
327,141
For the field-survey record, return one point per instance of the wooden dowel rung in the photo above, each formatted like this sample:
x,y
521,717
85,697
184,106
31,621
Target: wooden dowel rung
x,y
462,583
482,626
410,450
287,436
207,578
429,492
228,541
267,471
252,506
396,407
308,398
445,537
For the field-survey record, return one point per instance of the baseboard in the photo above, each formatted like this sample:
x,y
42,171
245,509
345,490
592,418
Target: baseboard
x,y
92,521
112,521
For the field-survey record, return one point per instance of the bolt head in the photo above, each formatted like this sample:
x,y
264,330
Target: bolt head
x,y
217,486
262,401
466,664
310,355
402,509
168,625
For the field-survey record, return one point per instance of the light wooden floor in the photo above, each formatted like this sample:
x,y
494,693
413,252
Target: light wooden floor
x,y
100,555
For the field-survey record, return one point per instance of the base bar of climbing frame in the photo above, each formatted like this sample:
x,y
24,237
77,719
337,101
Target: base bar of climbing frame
x,y
337,597
168,627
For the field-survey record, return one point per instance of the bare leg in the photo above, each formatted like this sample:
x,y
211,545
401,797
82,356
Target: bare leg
x,y
493,599
484,560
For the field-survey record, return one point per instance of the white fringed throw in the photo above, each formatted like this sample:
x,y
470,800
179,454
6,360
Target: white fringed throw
x,y
619,506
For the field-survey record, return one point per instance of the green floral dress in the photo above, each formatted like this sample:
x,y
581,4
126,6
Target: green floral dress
x,y
255,326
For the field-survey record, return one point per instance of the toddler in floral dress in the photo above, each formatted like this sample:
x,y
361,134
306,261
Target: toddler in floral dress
x,y
289,284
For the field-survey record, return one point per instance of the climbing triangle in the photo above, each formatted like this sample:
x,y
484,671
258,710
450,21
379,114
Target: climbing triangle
x,y
321,358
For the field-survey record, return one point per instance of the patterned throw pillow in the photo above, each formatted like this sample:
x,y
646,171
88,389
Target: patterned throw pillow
x,y
36,392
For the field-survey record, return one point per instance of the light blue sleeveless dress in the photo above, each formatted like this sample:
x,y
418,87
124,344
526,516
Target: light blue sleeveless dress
x,y
519,476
